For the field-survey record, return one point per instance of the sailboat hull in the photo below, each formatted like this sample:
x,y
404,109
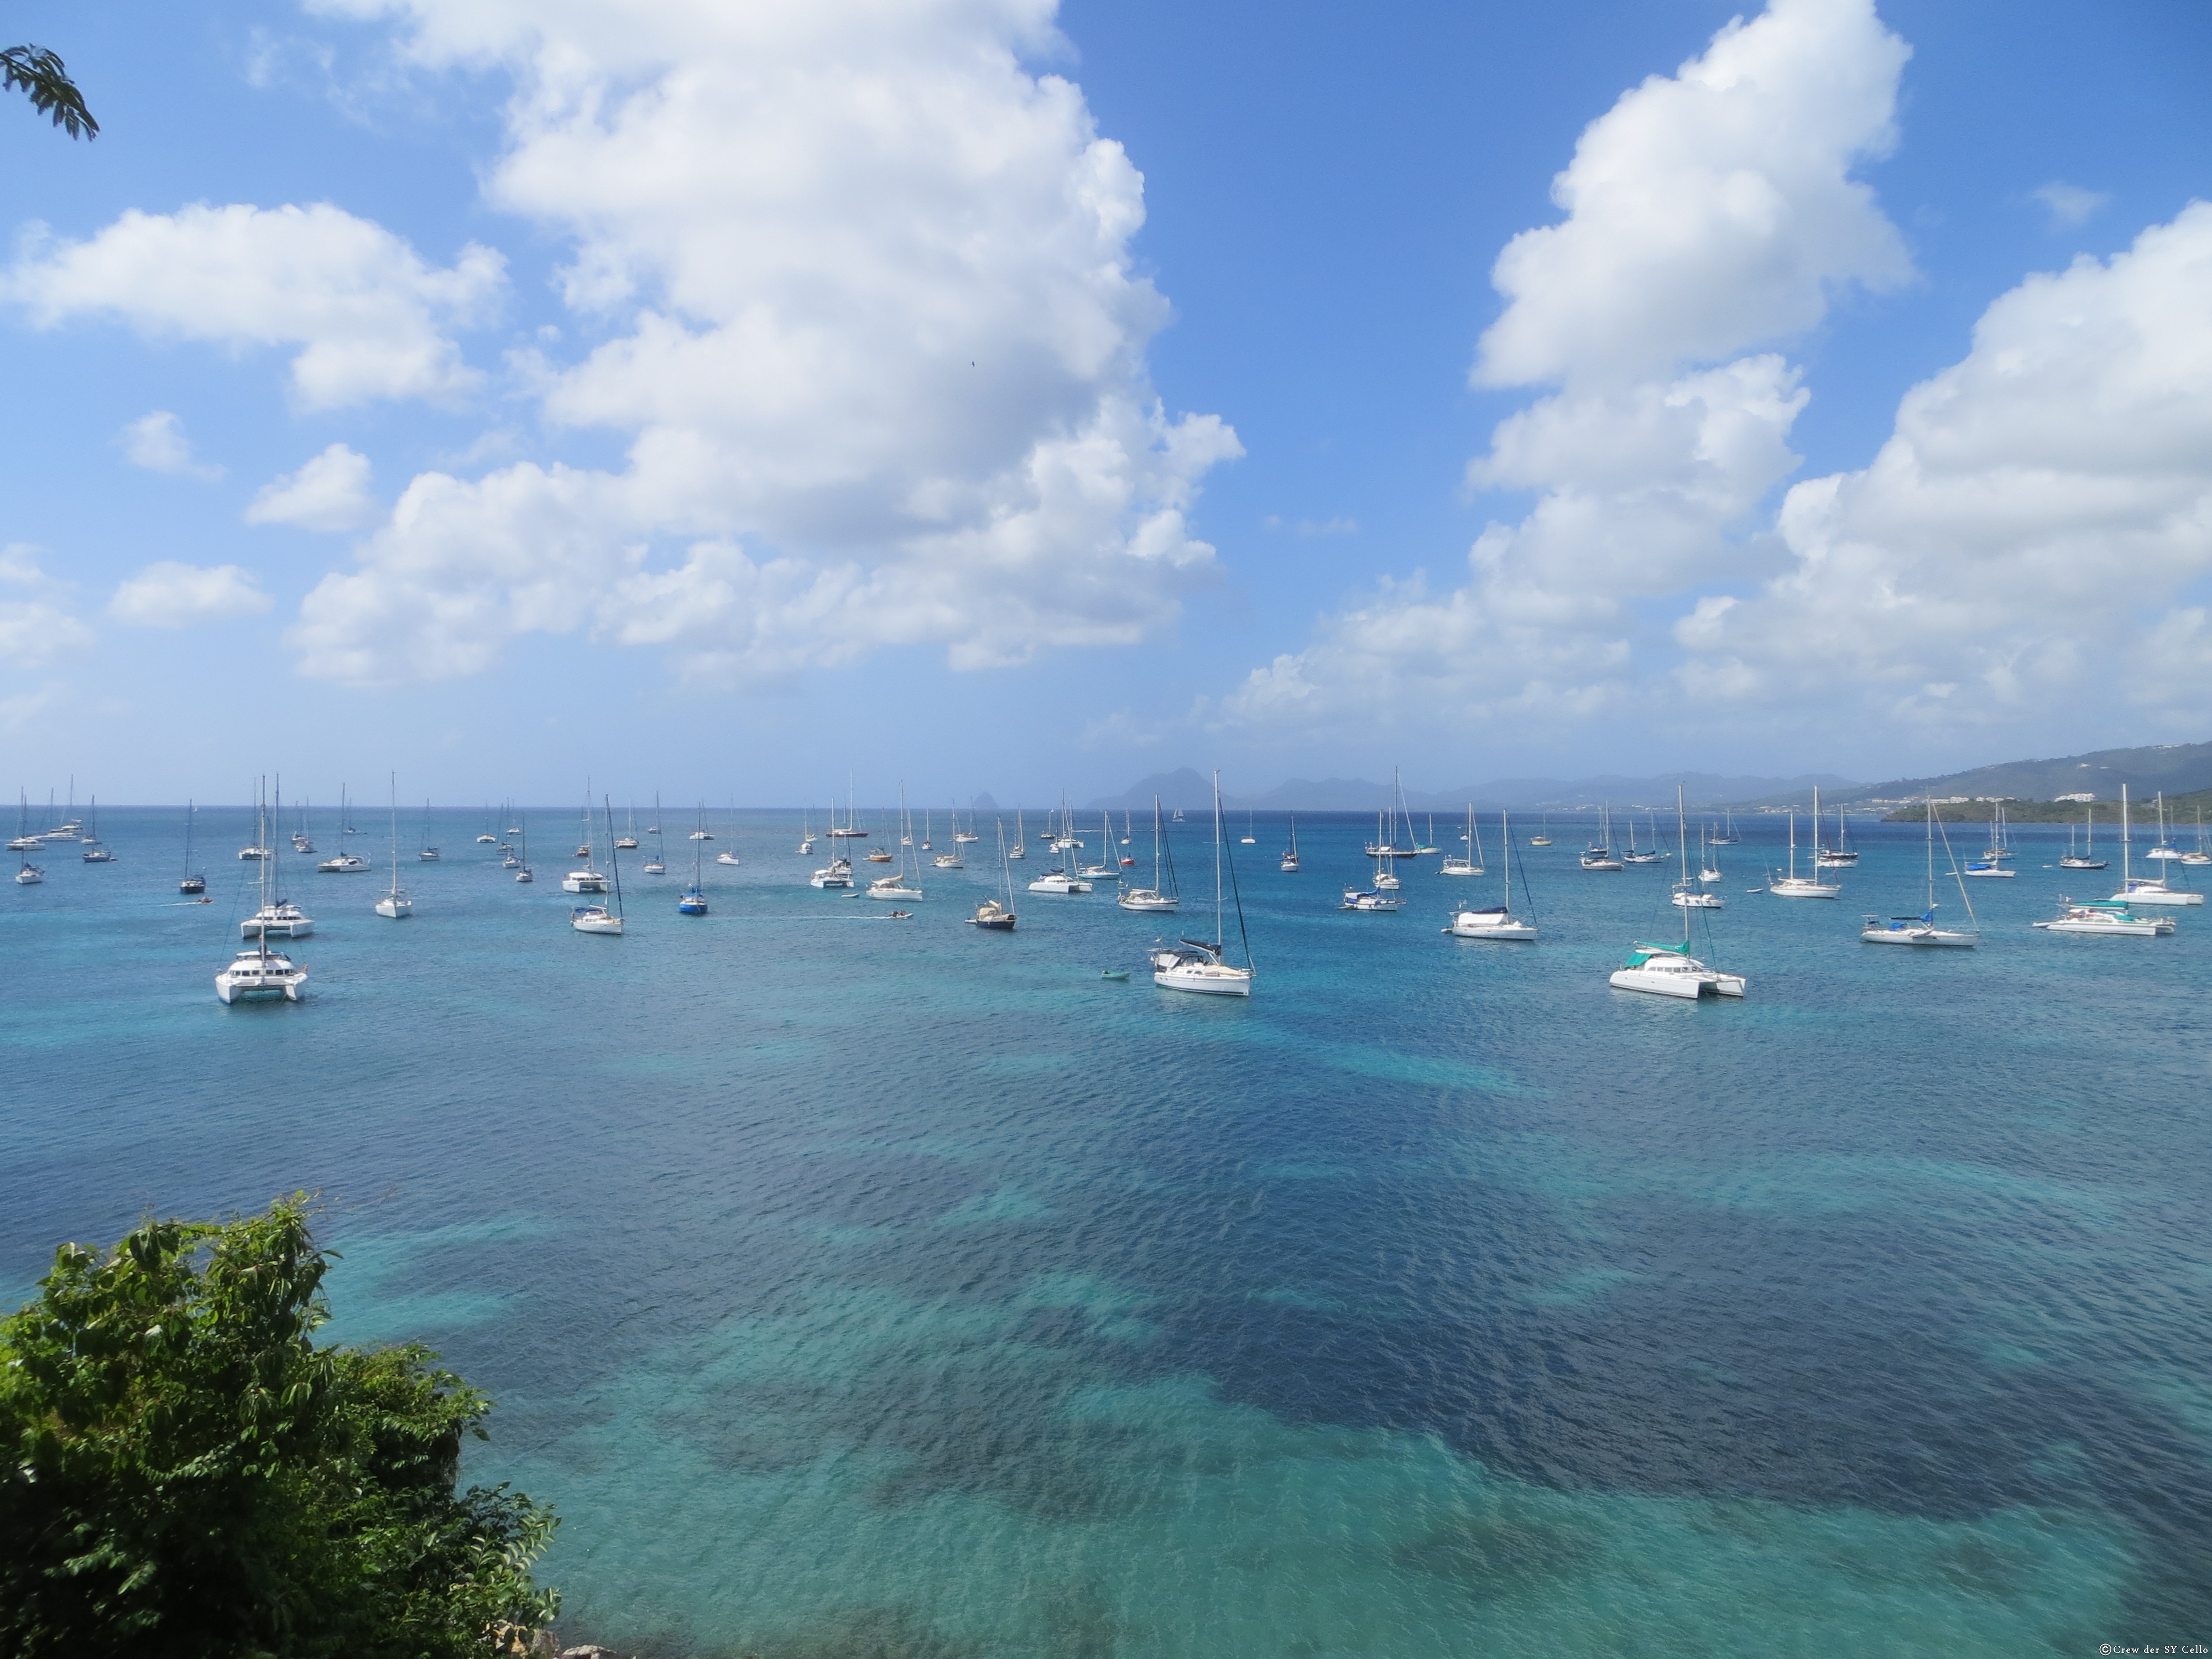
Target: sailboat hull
x,y
1206,979
1925,937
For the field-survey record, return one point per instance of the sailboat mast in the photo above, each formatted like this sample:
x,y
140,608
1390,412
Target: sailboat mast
x,y
2127,870
614,858
1682,845
1218,934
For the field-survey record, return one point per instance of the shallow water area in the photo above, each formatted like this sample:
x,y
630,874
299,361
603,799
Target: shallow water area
x,y
855,1285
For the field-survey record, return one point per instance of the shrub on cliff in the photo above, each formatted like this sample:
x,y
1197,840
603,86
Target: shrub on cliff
x,y
187,1473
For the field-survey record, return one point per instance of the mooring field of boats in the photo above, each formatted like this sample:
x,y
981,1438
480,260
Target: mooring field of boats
x,y
1691,905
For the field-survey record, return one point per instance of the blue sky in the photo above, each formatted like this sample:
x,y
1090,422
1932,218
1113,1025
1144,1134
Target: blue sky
x,y
504,394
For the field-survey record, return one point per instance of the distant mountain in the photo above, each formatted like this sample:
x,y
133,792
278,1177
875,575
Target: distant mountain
x,y
2175,768
1187,788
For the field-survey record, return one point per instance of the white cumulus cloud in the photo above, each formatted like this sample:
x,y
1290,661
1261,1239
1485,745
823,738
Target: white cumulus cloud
x,y
370,317
157,442
330,492
170,595
871,334
2031,532
1707,213
35,624
2070,205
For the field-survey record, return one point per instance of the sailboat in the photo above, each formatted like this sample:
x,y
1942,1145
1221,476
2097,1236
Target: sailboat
x,y
1162,895
1841,853
2200,853
968,836
94,852
694,902
1384,852
597,918
728,855
584,879
851,829
1542,837
261,975
278,916
994,915
1249,839
1108,868
30,875
1709,865
1469,862
395,904
2165,851
657,863
2146,889
1290,853
1728,837
1598,855
345,815
806,835
521,834
1669,970
2087,859
1198,964
1496,921
193,881
429,853
1921,930
627,842
1992,862
1019,849
1632,856
1794,885
899,884
301,840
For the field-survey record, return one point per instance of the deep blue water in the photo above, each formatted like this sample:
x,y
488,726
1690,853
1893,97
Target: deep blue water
x,y
862,1286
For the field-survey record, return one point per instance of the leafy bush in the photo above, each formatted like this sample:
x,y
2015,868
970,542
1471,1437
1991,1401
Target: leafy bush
x,y
188,1474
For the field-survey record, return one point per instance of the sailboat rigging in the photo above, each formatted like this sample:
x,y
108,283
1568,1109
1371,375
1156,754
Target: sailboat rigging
x,y
1198,964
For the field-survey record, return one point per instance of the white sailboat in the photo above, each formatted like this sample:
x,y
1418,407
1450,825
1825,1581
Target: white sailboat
x,y
1198,965
2087,857
657,863
1162,895
1793,886
994,916
729,855
1921,930
1496,921
1018,850
1598,855
30,875
192,882
521,834
1468,862
1842,853
1290,865
1107,868
2145,889
806,835
395,904
1670,970
600,918
899,884
278,917
261,975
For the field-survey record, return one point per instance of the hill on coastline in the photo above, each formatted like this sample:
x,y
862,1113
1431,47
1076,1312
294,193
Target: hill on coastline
x,y
1189,789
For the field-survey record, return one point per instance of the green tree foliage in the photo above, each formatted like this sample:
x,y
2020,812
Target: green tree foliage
x,y
188,1474
40,74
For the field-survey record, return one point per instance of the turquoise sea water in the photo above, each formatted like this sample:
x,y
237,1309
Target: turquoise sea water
x,y
858,1287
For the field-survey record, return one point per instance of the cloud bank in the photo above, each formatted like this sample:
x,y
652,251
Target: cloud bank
x,y
876,351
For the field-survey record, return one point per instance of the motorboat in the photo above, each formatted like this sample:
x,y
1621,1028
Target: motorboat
x,y
345,864
1359,899
1669,970
586,880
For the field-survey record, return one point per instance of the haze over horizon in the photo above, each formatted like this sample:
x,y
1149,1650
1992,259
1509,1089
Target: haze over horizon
x,y
1013,397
